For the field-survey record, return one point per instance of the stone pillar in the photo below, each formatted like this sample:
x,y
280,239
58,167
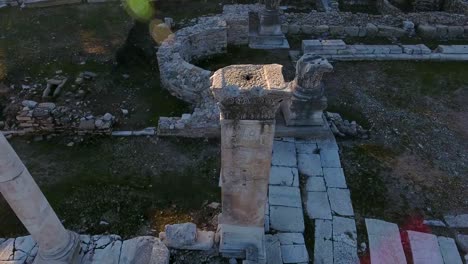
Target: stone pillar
x,y
56,244
248,98
269,34
306,105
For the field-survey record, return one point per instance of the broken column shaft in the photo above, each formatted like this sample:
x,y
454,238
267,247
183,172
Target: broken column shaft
x,y
248,96
56,244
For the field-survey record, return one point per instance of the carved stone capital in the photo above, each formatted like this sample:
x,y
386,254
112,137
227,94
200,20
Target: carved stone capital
x,y
249,92
309,72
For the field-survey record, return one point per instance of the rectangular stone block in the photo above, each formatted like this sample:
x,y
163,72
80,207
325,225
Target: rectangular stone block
x,y
294,253
291,238
235,239
330,158
452,49
323,248
313,45
449,250
284,176
424,248
315,184
286,219
457,221
310,164
318,206
344,240
334,177
284,196
284,154
384,242
273,249
340,201
306,148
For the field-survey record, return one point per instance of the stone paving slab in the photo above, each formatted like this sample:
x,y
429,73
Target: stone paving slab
x,y
273,249
334,177
284,196
323,248
25,247
315,184
344,240
309,165
284,154
6,249
284,176
291,238
294,253
327,143
424,248
318,206
340,201
449,250
306,148
287,219
384,242
330,158
457,221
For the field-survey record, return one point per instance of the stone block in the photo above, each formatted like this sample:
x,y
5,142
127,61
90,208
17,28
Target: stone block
x,y
340,201
336,30
330,158
323,248
416,49
310,165
273,249
294,253
462,242
315,184
344,240
284,154
351,31
426,31
334,178
388,31
291,238
267,224
318,206
180,235
284,28
424,248
442,31
144,249
452,49
315,45
234,240
284,176
284,196
286,219
24,247
362,31
294,29
449,251
306,148
109,254
371,30
6,249
307,29
457,221
321,29
384,242
455,32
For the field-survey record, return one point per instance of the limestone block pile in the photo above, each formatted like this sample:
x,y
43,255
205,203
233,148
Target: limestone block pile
x,y
47,117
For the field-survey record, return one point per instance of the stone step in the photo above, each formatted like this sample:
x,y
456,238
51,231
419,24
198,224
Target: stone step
x,y
384,242
424,248
449,250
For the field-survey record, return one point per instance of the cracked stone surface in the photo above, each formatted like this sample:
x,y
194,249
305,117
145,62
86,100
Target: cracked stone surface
x,y
309,165
284,176
340,201
284,154
317,205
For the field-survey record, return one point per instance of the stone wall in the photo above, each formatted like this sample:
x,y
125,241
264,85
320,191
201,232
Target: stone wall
x,y
237,21
386,8
456,6
183,79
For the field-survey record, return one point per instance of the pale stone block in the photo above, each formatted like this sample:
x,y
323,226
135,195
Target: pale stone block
x,y
306,148
384,242
318,206
424,248
452,49
235,239
294,253
273,250
23,247
310,165
291,238
323,248
6,249
284,154
284,176
145,249
344,240
340,201
449,250
286,219
284,196
109,254
457,221
334,177
462,242
330,158
315,184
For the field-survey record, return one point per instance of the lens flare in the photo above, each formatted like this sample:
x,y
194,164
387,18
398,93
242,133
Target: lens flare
x,y
159,31
141,10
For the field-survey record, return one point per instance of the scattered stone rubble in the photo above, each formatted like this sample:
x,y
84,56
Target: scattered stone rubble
x,y
343,128
46,117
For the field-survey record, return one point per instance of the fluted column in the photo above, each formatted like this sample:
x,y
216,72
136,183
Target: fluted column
x,y
56,244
